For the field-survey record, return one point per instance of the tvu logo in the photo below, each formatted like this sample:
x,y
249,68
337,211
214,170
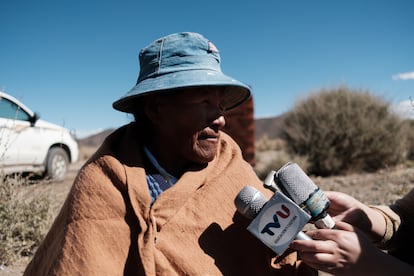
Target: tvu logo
x,y
284,213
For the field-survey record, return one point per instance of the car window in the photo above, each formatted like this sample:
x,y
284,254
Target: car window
x,y
10,110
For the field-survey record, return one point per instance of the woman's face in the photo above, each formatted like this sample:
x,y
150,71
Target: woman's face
x,y
189,122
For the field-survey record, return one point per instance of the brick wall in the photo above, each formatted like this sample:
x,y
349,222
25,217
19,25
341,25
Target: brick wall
x,y
240,126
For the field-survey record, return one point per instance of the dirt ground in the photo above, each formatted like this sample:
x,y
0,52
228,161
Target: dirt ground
x,y
382,187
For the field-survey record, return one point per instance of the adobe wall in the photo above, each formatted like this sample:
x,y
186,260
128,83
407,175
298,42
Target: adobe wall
x,y
240,126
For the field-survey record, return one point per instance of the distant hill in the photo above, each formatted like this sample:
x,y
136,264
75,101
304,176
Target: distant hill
x,y
95,140
268,126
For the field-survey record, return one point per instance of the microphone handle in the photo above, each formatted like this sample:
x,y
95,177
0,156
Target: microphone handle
x,y
302,236
325,222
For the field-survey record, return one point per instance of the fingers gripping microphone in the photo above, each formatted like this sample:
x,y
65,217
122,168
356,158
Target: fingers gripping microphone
x,y
275,222
294,183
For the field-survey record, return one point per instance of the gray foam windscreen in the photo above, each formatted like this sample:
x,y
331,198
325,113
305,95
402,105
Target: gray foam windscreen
x,y
249,202
294,181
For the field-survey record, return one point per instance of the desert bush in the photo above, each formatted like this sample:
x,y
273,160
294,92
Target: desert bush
x,y
342,130
272,160
265,143
23,222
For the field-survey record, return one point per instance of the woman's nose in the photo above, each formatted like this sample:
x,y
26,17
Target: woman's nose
x,y
219,122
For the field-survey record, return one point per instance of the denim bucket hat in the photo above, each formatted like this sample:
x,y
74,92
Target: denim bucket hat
x,y
177,61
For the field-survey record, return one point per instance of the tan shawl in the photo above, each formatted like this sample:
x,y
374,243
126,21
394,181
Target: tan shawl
x,y
108,227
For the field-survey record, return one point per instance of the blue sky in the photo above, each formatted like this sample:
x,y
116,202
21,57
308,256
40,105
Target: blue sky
x,y
69,60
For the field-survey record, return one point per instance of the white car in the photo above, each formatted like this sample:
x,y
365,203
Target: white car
x,y
29,144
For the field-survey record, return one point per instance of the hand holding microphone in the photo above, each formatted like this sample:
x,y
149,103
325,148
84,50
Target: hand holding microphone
x,y
275,222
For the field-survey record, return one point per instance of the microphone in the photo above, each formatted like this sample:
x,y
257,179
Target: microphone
x,y
294,183
275,222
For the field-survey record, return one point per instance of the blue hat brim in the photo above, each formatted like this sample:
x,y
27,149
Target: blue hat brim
x,y
236,92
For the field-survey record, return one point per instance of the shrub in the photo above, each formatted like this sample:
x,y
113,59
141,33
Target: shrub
x,y
340,130
272,155
22,222
265,144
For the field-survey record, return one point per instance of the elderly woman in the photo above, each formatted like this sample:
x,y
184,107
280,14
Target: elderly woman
x,y
157,198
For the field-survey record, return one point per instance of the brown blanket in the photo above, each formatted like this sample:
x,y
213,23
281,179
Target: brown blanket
x,y
108,227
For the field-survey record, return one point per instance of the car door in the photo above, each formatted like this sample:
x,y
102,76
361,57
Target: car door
x,y
15,134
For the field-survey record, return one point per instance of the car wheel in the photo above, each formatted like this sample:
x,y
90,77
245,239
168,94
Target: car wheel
x,y
57,164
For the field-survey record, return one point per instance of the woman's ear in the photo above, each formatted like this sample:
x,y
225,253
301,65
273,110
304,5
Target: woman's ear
x,y
152,108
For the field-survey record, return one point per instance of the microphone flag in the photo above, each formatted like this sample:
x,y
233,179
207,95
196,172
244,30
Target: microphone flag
x,y
278,223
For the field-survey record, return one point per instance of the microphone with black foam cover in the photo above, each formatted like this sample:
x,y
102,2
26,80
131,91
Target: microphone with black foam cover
x,y
295,183
275,222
